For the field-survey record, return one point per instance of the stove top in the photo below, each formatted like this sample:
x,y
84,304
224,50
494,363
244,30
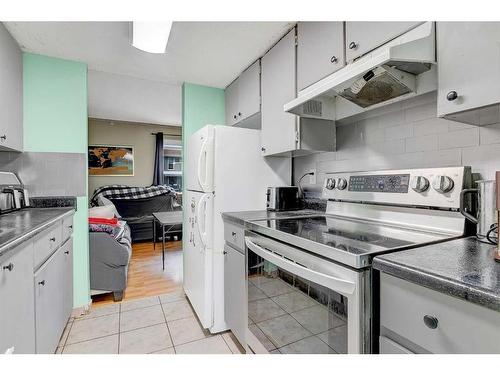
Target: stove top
x,y
349,241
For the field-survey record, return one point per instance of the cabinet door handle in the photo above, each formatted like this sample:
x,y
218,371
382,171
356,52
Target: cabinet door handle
x,y
66,252
431,321
334,60
234,116
42,283
263,149
233,234
451,96
70,226
239,114
9,267
53,239
3,137
353,45
224,252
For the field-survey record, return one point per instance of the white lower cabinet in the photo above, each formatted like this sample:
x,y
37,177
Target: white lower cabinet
x,y
36,300
420,320
235,301
17,304
49,303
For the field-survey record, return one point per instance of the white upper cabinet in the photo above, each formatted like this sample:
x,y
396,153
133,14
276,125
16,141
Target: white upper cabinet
x,y
11,93
469,71
243,95
362,37
279,128
231,96
320,51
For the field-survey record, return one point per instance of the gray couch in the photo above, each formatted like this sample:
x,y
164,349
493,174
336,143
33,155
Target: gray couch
x,y
109,260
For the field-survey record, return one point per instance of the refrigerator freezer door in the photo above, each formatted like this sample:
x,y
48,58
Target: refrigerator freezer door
x,y
200,160
198,255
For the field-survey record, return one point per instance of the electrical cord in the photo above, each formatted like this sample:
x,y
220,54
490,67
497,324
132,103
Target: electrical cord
x,y
301,192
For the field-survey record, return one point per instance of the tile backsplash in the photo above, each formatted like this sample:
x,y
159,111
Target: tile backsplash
x,y
48,173
404,135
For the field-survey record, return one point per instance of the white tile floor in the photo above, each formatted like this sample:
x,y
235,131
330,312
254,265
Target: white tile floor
x,y
163,324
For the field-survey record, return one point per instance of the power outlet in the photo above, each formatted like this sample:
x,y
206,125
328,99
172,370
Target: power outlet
x,y
312,178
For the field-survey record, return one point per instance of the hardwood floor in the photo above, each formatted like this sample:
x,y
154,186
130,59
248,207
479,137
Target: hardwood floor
x,y
145,274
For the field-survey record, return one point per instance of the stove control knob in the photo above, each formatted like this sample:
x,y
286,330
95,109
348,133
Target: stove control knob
x,y
341,183
419,184
330,183
442,184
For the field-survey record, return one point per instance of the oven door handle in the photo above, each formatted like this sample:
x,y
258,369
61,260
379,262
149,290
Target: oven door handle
x,y
345,287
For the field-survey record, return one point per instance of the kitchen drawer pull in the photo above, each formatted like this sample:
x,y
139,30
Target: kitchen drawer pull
x,y
42,283
334,60
233,234
451,96
353,45
224,252
66,252
3,137
9,267
70,226
53,239
431,321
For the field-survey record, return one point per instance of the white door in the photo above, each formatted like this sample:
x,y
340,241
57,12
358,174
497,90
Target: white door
x,y
198,254
199,155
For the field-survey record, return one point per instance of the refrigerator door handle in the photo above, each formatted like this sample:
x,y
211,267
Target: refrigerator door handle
x,y
203,234
203,153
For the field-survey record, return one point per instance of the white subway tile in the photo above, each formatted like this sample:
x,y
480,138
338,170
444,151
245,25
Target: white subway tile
x,y
421,112
460,138
489,134
442,158
454,126
423,143
430,126
398,132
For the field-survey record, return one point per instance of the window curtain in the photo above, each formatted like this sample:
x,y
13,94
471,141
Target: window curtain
x,y
159,167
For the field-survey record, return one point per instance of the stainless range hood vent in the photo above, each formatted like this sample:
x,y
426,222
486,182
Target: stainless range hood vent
x,y
388,72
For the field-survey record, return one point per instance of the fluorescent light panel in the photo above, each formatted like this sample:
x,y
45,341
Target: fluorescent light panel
x,y
151,36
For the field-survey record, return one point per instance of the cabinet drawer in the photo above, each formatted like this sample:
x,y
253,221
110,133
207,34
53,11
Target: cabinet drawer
x,y
47,242
235,235
460,326
67,228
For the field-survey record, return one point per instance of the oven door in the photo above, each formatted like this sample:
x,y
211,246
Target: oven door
x,y
302,303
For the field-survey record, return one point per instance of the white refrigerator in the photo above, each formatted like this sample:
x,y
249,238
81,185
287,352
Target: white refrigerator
x,y
224,171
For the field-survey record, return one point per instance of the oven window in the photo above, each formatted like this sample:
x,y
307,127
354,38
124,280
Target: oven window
x,y
291,315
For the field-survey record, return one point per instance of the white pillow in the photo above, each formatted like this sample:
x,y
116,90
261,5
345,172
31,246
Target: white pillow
x,y
103,201
104,212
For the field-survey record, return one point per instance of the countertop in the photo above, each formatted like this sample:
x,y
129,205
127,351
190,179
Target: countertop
x,y
241,217
18,226
462,268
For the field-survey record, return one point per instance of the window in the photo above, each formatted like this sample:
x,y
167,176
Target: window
x,y
172,161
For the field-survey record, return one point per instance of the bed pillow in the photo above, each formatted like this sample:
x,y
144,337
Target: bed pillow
x,y
105,212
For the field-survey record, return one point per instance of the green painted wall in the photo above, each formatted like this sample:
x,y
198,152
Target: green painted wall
x,y
55,120
201,105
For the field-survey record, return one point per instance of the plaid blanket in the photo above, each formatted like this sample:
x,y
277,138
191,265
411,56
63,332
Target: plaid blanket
x,y
129,192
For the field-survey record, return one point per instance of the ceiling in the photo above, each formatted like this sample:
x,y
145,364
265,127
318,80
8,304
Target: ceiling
x,y
207,53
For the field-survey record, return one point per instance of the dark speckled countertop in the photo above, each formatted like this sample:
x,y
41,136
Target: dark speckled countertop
x,y
18,226
241,217
462,268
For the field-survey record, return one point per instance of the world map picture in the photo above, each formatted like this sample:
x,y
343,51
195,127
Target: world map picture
x,y
111,160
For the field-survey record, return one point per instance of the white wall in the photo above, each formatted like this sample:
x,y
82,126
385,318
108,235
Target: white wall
x,y
119,97
406,135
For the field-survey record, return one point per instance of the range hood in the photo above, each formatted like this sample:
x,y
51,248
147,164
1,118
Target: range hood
x,y
388,72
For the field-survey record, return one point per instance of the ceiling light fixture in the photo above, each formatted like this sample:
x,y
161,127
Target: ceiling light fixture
x,y
151,36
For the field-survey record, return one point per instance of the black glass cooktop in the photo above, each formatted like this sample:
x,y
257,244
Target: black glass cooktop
x,y
352,236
